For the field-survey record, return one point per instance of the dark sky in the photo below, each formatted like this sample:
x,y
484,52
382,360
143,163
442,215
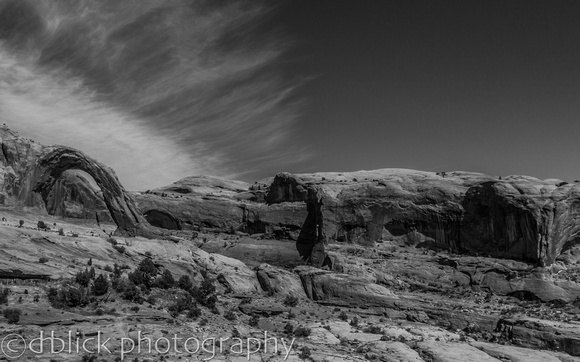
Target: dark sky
x,y
164,89
489,86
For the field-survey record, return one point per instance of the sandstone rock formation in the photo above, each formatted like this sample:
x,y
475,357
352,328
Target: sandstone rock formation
x,y
515,217
74,196
31,171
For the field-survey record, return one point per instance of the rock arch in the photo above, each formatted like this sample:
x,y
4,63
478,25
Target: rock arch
x,y
56,160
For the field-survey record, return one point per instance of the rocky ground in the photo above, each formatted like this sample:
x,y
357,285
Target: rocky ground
x,y
390,302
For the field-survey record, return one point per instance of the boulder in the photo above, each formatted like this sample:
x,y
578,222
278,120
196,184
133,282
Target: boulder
x,y
279,281
343,289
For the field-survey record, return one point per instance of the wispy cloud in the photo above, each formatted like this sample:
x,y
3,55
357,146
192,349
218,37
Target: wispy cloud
x,y
158,90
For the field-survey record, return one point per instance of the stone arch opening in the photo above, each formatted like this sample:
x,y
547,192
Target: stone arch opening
x,y
121,207
77,195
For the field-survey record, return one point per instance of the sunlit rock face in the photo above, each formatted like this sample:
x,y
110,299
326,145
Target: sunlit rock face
x,y
31,172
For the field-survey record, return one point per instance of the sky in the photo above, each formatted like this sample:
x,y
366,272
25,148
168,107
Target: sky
x,y
160,90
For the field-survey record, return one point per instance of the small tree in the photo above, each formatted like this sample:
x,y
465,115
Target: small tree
x,y
147,267
101,285
165,281
84,277
20,223
185,283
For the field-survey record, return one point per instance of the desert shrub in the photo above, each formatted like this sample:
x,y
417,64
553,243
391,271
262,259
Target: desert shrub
x,y
68,297
119,248
101,285
36,298
89,358
230,315
354,322
305,353
61,232
254,321
183,302
108,268
147,267
41,225
135,309
43,259
291,301
20,223
205,294
90,262
373,330
113,241
185,283
343,316
291,315
165,281
151,300
12,315
302,331
148,254
128,290
4,293
194,311
139,278
289,328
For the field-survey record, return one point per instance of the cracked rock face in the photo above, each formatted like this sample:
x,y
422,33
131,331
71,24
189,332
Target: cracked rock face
x,y
31,172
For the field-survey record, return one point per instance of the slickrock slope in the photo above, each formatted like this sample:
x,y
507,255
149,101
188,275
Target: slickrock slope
x,y
30,171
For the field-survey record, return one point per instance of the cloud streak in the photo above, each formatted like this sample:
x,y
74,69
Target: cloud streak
x,y
158,90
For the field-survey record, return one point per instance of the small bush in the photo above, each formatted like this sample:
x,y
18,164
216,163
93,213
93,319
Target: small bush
x,y
254,321
20,223
41,225
230,315
43,259
113,241
185,283
373,330
291,301
165,281
305,353
120,248
288,328
61,232
101,285
108,268
12,315
302,332
343,316
194,311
